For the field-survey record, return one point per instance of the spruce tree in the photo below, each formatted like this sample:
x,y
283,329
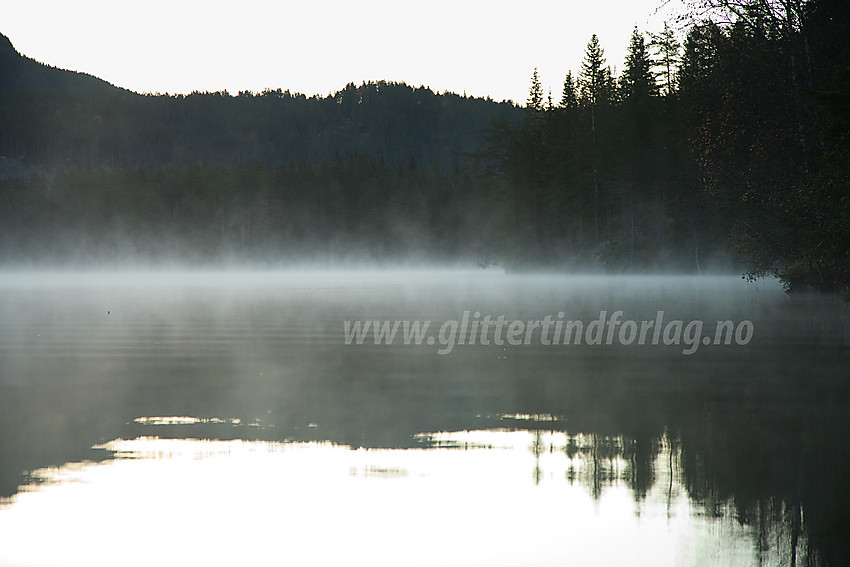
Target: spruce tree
x,y
591,77
535,93
592,85
569,98
638,81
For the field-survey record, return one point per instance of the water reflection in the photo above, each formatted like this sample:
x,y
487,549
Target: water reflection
x,y
596,488
234,416
499,497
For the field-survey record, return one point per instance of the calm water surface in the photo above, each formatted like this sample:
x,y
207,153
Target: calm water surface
x,y
220,419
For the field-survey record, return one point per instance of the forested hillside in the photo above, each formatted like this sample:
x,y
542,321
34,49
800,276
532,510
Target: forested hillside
x,y
735,138
377,172
721,145
60,119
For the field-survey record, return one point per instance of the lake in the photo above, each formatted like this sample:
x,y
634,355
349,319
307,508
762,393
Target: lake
x,y
220,418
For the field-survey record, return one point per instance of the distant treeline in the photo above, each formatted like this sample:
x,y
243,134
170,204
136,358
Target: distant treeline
x,y
360,210
59,119
730,146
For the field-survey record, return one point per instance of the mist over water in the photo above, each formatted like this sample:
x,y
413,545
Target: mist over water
x,y
176,407
225,338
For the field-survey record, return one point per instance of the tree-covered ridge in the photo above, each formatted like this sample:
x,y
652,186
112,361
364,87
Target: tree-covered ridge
x,y
723,146
60,119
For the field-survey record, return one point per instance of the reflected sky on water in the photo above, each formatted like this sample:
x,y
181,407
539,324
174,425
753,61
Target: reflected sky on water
x,y
496,497
201,418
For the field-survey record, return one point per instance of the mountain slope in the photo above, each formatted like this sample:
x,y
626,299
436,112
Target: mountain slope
x,y
55,118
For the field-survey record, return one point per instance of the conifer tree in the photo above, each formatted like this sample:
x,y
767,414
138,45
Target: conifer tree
x,y
667,50
535,92
569,98
592,69
638,81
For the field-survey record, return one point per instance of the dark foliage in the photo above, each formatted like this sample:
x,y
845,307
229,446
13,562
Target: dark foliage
x,y
729,149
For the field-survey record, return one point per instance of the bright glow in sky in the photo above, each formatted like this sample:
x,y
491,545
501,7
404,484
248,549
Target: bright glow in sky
x,y
481,47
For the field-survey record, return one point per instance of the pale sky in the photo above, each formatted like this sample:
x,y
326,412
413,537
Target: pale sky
x,y
483,48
